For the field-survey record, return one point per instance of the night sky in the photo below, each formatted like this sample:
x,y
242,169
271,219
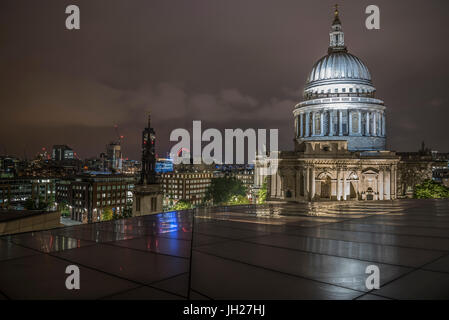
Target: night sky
x,y
229,63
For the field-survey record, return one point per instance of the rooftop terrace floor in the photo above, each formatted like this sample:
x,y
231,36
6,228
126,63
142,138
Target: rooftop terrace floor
x,y
294,251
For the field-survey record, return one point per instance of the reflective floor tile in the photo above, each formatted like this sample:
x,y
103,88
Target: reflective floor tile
x,y
419,285
378,228
364,251
371,297
220,278
143,267
9,250
225,232
197,296
174,247
201,240
47,242
144,293
348,273
43,277
177,284
376,238
256,225
99,236
183,234
441,265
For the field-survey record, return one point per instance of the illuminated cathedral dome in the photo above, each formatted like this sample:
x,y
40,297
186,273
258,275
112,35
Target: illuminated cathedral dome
x,y
339,100
339,66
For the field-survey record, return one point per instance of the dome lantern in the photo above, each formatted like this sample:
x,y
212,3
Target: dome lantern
x,y
337,37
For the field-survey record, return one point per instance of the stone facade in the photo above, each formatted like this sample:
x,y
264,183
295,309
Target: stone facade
x,y
327,170
147,199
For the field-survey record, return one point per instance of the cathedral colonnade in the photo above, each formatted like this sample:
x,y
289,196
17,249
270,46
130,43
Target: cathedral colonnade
x,y
340,122
315,183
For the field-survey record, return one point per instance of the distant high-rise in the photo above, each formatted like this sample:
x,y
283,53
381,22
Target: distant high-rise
x,y
62,152
114,156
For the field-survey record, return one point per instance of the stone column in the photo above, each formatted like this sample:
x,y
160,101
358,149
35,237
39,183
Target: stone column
x,y
344,185
307,124
256,175
350,122
360,123
395,182
380,184
374,124
278,184
392,183
367,129
387,185
301,125
297,126
322,123
297,183
313,123
337,185
377,124
312,180
340,123
331,125
359,181
384,125
380,123
306,183
378,132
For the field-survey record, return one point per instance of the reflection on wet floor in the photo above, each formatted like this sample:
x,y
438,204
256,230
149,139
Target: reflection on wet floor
x,y
276,251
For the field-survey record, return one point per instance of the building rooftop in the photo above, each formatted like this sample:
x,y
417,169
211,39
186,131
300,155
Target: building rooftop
x,y
9,215
299,251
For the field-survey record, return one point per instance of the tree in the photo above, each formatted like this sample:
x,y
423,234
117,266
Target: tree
x,y
235,200
30,204
51,202
128,211
64,209
182,205
430,189
262,195
223,190
106,215
40,204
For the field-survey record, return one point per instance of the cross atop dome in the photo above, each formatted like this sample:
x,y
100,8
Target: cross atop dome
x,y
336,16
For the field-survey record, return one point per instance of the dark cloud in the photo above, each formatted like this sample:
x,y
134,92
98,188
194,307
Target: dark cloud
x,y
233,63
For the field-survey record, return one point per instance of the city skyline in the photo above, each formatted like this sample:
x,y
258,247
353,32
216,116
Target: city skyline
x,y
205,61
252,150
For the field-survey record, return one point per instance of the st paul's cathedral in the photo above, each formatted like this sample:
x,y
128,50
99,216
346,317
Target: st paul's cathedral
x,y
340,133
